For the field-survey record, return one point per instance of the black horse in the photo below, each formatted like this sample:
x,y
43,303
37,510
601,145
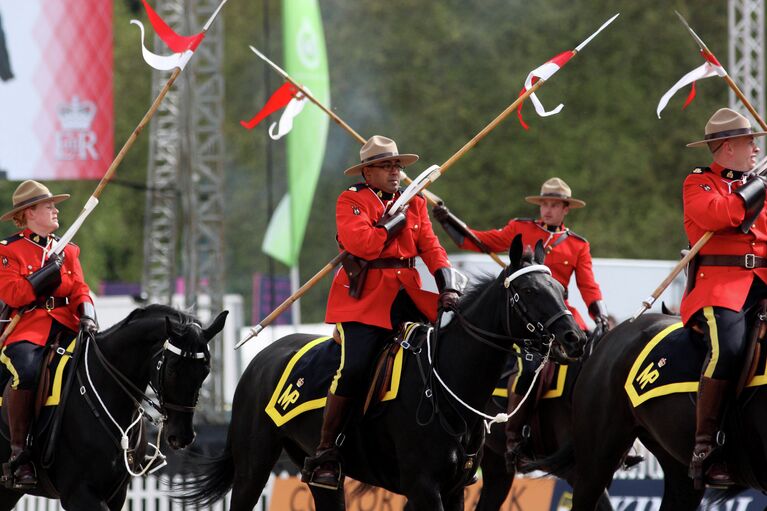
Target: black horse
x,y
429,462
155,344
551,428
605,423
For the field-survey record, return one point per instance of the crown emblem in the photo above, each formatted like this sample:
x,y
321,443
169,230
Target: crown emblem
x,y
76,115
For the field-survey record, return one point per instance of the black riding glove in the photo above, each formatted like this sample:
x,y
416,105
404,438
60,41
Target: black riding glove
x,y
87,313
393,224
453,227
598,313
441,213
752,194
450,283
45,280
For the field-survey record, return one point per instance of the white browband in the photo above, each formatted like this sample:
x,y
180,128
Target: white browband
x,y
181,353
527,269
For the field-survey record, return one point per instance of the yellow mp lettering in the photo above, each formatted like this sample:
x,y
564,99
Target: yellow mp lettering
x,y
649,375
288,397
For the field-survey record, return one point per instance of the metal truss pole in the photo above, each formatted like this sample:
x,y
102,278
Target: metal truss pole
x,y
202,190
160,219
745,23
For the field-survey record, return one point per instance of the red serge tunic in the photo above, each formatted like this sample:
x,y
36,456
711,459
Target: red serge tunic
x,y
566,252
20,256
357,211
710,205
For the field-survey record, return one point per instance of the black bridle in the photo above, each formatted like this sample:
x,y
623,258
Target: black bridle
x,y
541,335
132,390
170,348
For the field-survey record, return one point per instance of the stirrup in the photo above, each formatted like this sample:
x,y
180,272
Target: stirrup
x,y
8,478
313,464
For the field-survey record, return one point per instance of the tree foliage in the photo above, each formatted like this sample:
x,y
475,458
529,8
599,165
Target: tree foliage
x,y
430,75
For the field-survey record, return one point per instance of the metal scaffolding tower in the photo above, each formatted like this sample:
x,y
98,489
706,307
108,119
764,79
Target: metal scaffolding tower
x,y
185,180
745,20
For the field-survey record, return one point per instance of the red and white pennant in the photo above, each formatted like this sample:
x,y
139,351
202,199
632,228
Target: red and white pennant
x,y
710,68
183,46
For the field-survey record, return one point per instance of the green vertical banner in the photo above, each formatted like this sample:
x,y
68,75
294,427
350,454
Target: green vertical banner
x,y
306,62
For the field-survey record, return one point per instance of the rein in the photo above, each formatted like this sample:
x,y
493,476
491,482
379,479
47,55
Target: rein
x,y
540,330
132,390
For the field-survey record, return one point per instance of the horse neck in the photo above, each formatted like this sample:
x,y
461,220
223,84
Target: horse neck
x,y
470,367
130,349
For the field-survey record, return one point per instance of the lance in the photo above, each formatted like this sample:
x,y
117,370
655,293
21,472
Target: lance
x,y
93,200
432,198
650,300
423,180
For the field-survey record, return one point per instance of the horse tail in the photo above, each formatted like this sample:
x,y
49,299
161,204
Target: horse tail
x,y
211,479
558,463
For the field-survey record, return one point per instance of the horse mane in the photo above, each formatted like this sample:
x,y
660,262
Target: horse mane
x,y
485,279
476,289
180,318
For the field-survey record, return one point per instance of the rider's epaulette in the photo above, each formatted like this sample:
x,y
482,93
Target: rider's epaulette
x,y
524,220
358,187
11,239
575,234
700,170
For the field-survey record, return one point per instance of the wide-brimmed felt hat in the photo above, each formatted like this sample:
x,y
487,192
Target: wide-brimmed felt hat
x,y
380,149
28,194
724,124
555,189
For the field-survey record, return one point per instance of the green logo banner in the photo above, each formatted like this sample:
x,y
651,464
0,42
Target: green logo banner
x,y
306,62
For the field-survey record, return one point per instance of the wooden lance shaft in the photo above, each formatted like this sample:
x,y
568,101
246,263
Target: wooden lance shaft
x,y
337,259
431,198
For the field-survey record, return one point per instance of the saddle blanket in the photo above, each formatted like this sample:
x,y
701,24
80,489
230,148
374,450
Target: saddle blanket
x,y
555,389
671,363
306,379
56,374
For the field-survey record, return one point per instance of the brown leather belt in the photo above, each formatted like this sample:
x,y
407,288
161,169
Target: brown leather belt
x,y
392,262
51,302
743,261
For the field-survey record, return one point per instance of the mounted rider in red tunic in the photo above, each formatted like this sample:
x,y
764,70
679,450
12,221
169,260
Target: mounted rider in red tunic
x,y
567,253
377,286
52,297
729,273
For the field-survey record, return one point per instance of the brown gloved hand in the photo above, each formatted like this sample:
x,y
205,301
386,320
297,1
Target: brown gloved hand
x,y
448,299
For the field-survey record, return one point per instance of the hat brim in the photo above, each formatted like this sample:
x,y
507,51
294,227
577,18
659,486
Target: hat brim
x,y
538,199
56,199
405,159
700,143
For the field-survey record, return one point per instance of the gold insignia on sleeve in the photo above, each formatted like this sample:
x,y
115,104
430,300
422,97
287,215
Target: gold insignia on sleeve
x,y
352,188
4,242
697,171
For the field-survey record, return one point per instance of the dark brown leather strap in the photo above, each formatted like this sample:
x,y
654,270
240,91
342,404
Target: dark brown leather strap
x,y
392,262
51,302
742,261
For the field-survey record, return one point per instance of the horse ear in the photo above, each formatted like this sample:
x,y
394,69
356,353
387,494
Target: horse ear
x,y
215,327
540,253
515,252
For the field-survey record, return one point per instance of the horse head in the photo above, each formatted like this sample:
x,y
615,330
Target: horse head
x,y
536,301
183,366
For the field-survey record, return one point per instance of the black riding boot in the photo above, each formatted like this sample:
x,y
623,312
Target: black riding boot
x,y
708,415
514,429
324,468
19,405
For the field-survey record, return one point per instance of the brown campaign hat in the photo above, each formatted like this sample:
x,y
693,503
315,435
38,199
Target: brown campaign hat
x,y
556,189
28,194
379,149
726,123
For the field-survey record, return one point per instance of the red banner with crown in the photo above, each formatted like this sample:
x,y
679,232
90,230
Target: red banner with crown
x,y
56,112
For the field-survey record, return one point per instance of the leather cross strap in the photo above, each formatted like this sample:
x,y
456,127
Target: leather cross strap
x,y
392,262
748,261
51,302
